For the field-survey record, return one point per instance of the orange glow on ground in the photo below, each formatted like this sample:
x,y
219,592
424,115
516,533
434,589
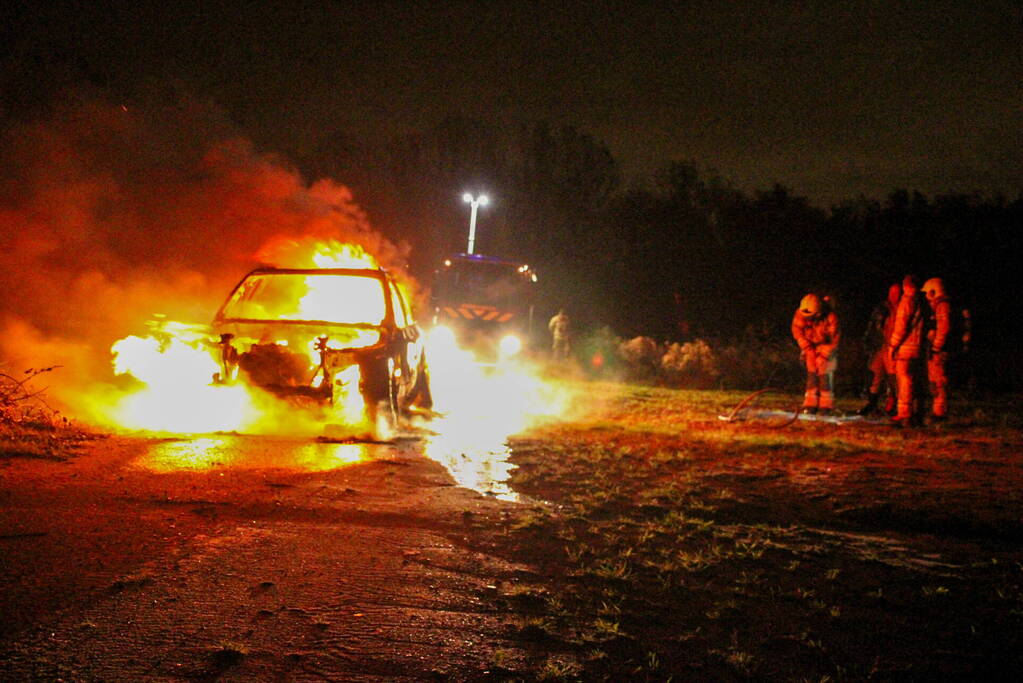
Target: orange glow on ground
x,y
227,451
479,407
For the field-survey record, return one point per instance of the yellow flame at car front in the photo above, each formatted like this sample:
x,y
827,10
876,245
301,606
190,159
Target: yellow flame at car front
x,y
173,366
171,371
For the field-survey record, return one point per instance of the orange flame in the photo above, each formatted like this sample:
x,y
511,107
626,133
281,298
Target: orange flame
x,y
118,215
313,252
176,363
174,367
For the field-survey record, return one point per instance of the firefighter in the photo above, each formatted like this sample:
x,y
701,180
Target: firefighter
x,y
938,326
882,368
815,329
905,345
961,371
560,328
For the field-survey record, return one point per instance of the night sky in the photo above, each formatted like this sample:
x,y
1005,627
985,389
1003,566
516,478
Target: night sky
x,y
832,99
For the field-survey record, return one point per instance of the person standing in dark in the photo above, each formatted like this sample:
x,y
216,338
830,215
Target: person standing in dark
x,y
938,326
816,331
905,347
882,367
560,329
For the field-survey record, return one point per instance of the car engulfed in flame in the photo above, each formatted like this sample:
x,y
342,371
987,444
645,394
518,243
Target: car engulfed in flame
x,y
331,335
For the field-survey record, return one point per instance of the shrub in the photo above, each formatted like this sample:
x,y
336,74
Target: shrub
x,y
642,358
755,364
751,362
691,365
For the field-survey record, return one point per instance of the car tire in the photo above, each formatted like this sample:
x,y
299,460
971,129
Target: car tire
x,y
379,392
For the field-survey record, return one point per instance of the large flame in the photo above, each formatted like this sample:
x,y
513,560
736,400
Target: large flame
x,y
173,367
313,252
478,407
112,215
175,364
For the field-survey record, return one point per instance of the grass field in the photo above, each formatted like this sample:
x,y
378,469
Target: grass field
x,y
662,543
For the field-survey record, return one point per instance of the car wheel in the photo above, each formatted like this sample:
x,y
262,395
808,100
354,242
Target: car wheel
x,y
380,394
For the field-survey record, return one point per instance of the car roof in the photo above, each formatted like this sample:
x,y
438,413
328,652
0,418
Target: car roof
x,y
479,258
361,272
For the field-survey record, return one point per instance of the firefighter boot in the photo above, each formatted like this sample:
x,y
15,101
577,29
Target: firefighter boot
x,y
870,407
889,405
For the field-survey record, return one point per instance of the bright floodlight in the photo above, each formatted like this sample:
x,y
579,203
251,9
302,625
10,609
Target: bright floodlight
x,y
475,202
509,346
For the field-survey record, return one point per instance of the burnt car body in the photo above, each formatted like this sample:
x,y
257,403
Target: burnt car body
x,y
295,332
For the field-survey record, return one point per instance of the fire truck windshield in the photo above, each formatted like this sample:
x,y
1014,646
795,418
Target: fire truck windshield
x,y
492,283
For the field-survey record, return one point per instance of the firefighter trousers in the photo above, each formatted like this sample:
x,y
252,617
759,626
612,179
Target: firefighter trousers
x,y
819,373
907,380
938,380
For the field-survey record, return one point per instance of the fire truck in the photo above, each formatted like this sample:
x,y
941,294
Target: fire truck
x,y
487,302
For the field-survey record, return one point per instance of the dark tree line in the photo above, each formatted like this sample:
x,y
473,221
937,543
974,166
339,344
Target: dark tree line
x,y
687,255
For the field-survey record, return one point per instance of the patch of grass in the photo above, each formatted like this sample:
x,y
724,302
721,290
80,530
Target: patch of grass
x,y
555,669
671,537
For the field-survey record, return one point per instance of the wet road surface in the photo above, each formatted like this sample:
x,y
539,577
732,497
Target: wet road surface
x,y
249,558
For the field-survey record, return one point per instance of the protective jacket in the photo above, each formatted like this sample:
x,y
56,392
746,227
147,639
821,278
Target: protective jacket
x,y
558,326
815,329
908,328
881,365
882,320
939,324
819,334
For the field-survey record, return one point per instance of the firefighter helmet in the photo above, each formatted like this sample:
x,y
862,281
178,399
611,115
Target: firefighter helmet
x,y
934,289
894,294
810,305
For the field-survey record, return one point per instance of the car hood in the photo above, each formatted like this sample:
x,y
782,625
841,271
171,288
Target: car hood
x,y
300,336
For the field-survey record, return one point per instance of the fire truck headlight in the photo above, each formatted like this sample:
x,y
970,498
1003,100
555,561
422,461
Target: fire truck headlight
x,y
442,336
510,345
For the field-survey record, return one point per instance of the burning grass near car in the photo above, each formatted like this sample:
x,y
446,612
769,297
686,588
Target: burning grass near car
x,y
665,543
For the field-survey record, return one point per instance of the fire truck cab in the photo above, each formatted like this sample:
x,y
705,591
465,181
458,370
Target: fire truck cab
x,y
487,302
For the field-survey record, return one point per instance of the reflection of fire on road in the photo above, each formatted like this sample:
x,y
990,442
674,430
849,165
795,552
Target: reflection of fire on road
x,y
217,451
479,408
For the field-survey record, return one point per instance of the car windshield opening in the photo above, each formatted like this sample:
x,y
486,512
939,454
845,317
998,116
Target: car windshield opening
x,y
329,297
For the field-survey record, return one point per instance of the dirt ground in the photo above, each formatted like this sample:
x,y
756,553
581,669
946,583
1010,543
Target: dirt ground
x,y
651,541
244,566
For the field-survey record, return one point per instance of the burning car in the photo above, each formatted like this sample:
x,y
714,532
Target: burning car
x,y
326,334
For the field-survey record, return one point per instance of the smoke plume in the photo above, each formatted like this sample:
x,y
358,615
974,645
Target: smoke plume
x,y
111,214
